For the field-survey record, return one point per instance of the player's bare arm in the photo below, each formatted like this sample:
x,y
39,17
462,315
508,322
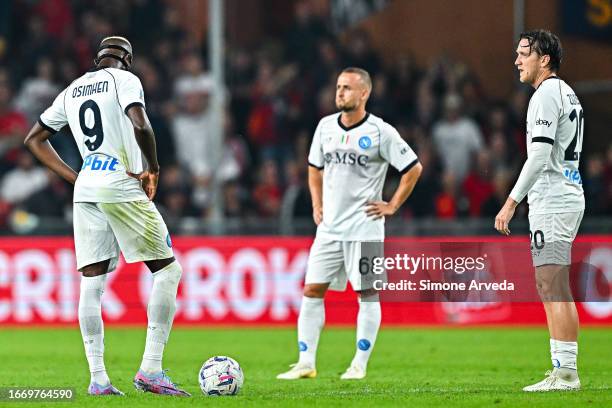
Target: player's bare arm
x,y
378,209
315,184
37,141
146,141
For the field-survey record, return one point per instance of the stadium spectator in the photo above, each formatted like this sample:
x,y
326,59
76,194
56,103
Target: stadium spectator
x,y
594,184
175,194
191,127
501,188
37,92
457,138
477,186
267,193
13,125
24,180
446,204
304,34
54,200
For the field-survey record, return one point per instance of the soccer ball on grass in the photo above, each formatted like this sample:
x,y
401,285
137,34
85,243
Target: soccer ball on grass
x,y
220,375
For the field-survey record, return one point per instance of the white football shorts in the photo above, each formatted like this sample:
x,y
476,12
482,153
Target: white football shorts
x,y
336,262
552,236
136,228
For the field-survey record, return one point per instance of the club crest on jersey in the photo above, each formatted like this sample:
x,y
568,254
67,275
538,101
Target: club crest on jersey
x,y
365,142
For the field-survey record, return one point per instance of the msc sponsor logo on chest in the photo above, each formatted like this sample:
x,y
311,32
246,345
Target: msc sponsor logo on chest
x,y
347,158
100,163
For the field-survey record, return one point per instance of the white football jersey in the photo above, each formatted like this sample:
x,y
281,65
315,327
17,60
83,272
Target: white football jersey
x,y
95,106
354,161
555,116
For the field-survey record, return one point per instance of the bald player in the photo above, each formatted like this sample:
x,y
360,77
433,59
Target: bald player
x,y
350,153
113,207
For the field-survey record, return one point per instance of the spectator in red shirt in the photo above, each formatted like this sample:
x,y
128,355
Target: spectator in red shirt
x,y
477,185
13,126
267,193
446,200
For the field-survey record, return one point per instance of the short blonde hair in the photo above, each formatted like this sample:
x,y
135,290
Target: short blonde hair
x,y
363,74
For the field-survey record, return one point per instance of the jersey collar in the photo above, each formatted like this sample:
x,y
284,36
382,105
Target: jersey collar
x,y
361,122
550,77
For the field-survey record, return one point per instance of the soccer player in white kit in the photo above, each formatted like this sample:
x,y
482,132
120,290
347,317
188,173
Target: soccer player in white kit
x,y
113,208
550,176
348,161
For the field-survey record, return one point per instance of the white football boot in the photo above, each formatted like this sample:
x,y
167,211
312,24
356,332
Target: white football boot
x,y
298,371
554,382
354,372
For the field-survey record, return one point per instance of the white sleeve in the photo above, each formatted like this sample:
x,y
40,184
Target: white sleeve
x,y
54,117
395,150
538,156
130,92
546,111
315,157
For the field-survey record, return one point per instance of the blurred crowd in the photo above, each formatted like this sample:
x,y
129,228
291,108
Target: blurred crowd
x,y
471,147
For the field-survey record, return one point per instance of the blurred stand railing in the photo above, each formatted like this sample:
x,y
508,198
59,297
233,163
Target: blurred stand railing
x,y
395,226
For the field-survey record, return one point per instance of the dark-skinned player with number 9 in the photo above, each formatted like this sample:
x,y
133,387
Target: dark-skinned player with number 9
x,y
113,208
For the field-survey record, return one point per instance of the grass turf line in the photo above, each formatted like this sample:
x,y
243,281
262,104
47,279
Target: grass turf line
x,y
416,367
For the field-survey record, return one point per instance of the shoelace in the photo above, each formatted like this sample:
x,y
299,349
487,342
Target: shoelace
x,y
550,379
165,376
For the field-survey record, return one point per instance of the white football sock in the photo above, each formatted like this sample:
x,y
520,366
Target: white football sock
x,y
368,322
310,324
564,354
92,327
160,314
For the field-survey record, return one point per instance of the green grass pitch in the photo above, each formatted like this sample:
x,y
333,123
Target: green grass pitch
x,y
416,367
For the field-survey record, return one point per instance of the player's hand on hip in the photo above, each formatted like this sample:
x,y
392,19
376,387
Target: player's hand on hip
x,y
317,215
502,220
148,181
379,209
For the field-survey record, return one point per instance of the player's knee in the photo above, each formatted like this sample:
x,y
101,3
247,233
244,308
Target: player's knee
x,y
368,295
552,283
96,269
173,274
315,290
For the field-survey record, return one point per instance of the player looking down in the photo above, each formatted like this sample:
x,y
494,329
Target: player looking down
x,y
550,177
113,209
348,161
